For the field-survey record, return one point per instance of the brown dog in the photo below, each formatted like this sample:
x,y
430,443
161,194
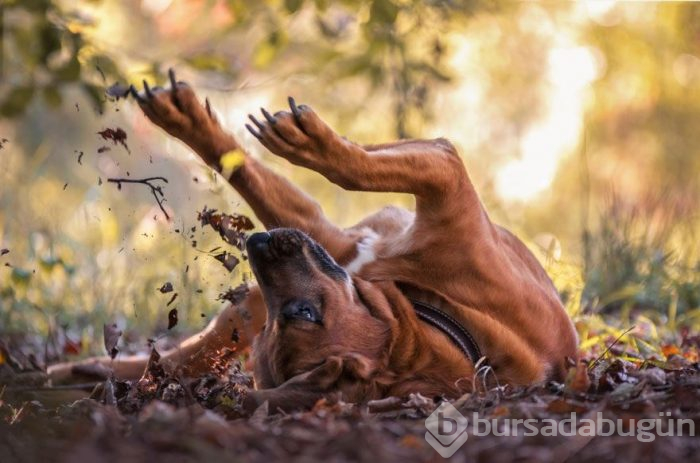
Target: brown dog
x,y
401,302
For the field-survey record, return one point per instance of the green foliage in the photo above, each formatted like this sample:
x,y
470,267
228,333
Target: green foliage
x,y
633,264
45,52
396,45
375,68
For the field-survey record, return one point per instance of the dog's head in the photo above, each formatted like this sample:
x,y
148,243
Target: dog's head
x,y
315,311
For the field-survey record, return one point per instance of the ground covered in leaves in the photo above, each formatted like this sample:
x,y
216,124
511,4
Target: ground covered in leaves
x,y
198,419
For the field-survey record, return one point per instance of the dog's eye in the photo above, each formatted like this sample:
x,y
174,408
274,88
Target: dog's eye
x,y
301,310
306,312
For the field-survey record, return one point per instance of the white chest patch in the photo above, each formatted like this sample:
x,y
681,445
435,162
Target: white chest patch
x,y
365,252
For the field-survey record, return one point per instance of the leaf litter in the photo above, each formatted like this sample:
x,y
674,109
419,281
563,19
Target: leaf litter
x,y
171,413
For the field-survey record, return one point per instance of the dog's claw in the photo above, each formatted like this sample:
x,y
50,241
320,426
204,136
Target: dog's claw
x,y
255,133
293,107
270,118
257,123
173,81
173,89
147,89
135,94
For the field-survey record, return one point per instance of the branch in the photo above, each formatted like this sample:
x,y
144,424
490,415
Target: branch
x,y
600,357
157,191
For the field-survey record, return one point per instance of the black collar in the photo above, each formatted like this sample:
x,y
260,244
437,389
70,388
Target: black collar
x,y
454,330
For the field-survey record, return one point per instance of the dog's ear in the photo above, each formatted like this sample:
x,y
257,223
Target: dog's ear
x,y
386,302
373,297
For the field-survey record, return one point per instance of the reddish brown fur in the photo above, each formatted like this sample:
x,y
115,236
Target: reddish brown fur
x,y
371,343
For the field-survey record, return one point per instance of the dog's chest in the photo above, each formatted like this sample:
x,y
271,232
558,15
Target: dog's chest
x,y
365,251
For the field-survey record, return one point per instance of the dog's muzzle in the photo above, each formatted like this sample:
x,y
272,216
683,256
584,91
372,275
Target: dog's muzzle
x,y
280,244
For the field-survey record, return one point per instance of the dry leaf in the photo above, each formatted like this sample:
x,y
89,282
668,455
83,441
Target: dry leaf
x,y
578,380
111,337
172,318
166,288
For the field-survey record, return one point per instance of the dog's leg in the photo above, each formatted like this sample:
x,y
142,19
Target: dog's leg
x,y
234,328
429,169
275,201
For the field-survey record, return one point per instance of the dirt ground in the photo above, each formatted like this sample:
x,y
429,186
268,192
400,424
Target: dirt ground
x,y
179,419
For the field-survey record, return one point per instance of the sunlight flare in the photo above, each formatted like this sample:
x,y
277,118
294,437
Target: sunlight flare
x,y
570,70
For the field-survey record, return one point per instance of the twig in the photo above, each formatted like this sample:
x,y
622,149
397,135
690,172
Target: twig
x,y
157,191
595,362
387,404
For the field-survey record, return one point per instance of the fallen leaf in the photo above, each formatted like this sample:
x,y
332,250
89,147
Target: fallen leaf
x,y
71,347
670,349
578,379
412,442
654,376
172,318
692,356
562,406
624,391
152,363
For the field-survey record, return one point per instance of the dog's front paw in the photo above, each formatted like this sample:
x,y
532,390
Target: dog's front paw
x,y
177,111
298,135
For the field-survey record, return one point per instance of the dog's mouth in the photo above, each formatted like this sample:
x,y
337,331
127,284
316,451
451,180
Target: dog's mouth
x,y
281,251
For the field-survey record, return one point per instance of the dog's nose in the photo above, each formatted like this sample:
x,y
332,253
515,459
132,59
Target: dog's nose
x,y
258,242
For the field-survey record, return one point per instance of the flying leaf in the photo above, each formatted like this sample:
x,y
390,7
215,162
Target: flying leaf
x,y
172,318
229,260
172,299
166,288
117,135
117,91
234,295
111,335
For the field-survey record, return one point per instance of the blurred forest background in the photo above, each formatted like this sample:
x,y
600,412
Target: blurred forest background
x,y
579,123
